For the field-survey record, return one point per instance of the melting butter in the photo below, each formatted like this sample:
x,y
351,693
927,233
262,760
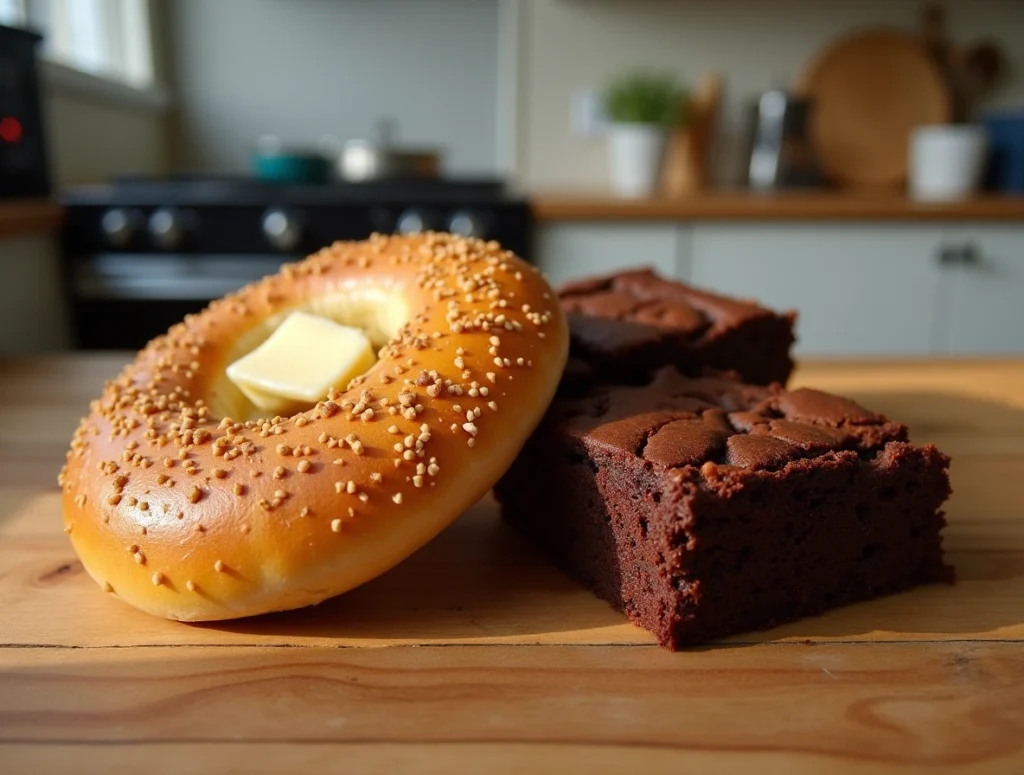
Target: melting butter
x,y
300,362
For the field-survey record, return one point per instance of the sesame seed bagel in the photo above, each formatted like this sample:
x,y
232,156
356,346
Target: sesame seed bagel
x,y
183,503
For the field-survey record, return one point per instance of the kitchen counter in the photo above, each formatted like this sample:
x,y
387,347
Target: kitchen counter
x,y
781,206
20,217
477,655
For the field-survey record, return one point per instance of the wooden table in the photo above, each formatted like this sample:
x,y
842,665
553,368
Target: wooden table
x,y
19,217
476,655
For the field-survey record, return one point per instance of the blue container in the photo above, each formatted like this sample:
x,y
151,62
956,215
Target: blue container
x,y
289,167
1005,170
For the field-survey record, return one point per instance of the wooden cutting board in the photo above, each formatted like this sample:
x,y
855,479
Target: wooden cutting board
x,y
869,91
477,655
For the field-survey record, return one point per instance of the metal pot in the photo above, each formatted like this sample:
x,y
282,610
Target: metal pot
x,y
382,159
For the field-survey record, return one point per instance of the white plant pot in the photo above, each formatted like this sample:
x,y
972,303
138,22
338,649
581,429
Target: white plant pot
x,y
946,162
634,156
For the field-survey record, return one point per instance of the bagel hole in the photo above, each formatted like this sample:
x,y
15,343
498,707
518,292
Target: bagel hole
x,y
378,312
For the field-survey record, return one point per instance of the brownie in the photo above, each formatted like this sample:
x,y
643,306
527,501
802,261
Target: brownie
x,y
627,325
706,507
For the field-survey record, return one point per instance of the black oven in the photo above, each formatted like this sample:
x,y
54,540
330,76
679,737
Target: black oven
x,y
23,164
141,254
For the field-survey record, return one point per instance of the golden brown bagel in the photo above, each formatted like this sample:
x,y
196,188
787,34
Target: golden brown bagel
x,y
186,513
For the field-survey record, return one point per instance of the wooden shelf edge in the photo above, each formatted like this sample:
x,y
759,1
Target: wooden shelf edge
x,y
783,206
20,217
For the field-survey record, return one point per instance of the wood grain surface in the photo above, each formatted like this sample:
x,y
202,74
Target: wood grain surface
x,y
19,217
869,90
477,655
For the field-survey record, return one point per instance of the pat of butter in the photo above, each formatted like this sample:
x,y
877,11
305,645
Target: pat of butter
x,y
301,361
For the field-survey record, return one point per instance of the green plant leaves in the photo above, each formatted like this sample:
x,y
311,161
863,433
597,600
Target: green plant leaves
x,y
646,98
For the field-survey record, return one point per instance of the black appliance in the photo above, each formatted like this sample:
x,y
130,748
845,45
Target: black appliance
x,y
141,253
23,163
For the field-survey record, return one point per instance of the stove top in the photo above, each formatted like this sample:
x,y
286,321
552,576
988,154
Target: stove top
x,y
141,252
203,189
223,214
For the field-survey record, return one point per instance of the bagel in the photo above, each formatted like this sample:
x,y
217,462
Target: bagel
x,y
183,503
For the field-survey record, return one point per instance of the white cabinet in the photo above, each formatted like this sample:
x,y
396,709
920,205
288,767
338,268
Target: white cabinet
x,y
860,289
32,318
986,300
569,251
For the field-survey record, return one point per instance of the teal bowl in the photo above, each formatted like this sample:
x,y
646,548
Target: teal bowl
x,y
291,167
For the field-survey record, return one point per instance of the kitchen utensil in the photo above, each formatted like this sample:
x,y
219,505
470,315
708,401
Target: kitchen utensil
x,y
273,162
781,153
685,166
946,162
1006,153
970,71
984,61
383,159
870,90
982,64
941,51
933,31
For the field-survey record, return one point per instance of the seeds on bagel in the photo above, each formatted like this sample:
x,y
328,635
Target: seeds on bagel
x,y
232,533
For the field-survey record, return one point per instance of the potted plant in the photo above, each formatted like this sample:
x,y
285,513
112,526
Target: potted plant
x,y
641,108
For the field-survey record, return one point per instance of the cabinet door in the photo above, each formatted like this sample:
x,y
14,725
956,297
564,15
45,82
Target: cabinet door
x,y
986,265
32,311
570,251
861,289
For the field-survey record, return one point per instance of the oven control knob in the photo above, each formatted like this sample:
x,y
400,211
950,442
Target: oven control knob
x,y
411,221
166,228
119,226
282,229
467,224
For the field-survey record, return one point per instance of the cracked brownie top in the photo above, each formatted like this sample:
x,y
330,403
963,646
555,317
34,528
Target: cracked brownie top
x,y
650,302
675,422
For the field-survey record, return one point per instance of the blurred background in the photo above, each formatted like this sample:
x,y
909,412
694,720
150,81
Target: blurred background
x,y
861,161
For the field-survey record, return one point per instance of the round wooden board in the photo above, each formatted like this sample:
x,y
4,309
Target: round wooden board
x,y
870,89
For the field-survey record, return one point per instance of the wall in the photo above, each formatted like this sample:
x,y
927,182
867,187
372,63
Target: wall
x,y
99,129
567,45
302,69
95,132
93,138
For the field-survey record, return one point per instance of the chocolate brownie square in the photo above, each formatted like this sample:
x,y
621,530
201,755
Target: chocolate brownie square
x,y
627,325
705,507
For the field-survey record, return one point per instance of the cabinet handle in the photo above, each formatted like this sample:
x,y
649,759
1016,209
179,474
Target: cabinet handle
x,y
966,254
949,255
970,255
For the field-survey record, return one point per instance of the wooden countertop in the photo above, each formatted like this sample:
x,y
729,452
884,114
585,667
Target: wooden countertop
x,y
782,206
476,655
19,217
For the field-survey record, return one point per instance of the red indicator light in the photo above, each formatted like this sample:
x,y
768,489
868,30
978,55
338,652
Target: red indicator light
x,y
10,129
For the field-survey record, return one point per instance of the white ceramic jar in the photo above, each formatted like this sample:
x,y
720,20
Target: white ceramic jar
x,y
635,153
946,162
